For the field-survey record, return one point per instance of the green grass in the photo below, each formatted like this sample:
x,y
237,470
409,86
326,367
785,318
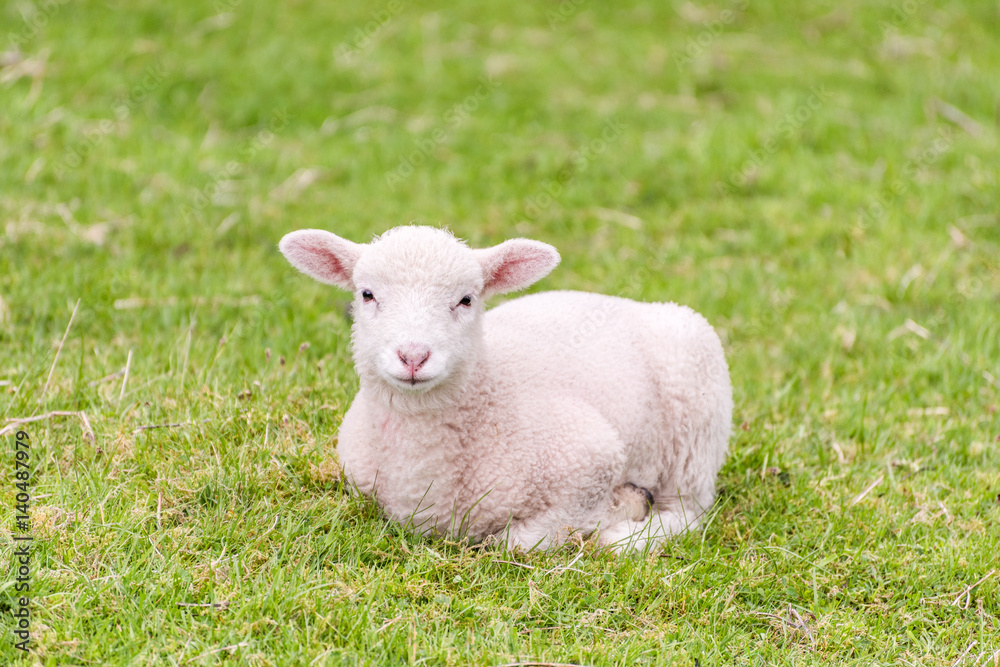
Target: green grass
x,y
783,168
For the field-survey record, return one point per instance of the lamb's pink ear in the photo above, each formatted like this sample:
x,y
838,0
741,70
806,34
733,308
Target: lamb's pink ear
x,y
322,255
515,264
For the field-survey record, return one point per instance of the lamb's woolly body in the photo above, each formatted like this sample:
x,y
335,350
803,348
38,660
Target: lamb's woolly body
x,y
558,400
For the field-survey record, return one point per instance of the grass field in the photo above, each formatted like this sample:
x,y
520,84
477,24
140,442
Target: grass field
x,y
820,179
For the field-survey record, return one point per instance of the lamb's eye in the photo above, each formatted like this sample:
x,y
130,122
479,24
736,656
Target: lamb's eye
x,y
466,300
367,295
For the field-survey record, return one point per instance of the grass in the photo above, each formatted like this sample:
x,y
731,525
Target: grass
x,y
819,179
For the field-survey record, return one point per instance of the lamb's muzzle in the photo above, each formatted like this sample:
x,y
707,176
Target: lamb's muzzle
x,y
413,357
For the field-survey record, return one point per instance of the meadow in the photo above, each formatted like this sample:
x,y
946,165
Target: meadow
x,y
820,179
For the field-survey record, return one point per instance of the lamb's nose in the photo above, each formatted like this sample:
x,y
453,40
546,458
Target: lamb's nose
x,y
414,356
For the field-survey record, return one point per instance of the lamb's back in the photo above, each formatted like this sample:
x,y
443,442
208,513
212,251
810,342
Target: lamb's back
x,y
640,364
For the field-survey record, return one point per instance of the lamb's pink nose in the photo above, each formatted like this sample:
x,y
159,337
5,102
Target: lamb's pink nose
x,y
414,356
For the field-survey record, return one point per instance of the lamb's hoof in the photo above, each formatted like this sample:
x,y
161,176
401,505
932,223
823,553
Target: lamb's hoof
x,y
644,491
638,501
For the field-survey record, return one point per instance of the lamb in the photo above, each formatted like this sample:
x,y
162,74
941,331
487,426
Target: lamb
x,y
552,414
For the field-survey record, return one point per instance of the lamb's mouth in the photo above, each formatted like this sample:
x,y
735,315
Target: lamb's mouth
x,y
416,383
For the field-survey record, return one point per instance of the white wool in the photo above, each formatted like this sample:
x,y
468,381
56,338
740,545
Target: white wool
x,y
531,421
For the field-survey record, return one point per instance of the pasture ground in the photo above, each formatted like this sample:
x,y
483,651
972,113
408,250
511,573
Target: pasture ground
x,y
820,179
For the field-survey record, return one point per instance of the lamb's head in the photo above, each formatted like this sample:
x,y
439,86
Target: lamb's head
x,y
418,297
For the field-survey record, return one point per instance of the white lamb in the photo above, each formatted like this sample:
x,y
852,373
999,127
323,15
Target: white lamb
x,y
554,413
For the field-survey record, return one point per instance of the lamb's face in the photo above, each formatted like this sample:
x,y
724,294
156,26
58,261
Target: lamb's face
x,y
417,309
418,297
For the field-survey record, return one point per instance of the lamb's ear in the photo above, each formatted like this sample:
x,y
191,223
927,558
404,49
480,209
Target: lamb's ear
x,y
515,264
323,256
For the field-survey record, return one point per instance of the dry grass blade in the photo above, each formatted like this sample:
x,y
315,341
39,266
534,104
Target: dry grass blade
x,y
559,569
966,594
106,378
14,422
861,496
230,648
794,620
149,427
956,116
800,622
222,606
510,562
964,653
128,367
58,352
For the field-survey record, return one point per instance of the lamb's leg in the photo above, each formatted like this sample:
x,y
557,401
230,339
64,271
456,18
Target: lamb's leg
x,y
575,491
529,534
668,519
627,504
